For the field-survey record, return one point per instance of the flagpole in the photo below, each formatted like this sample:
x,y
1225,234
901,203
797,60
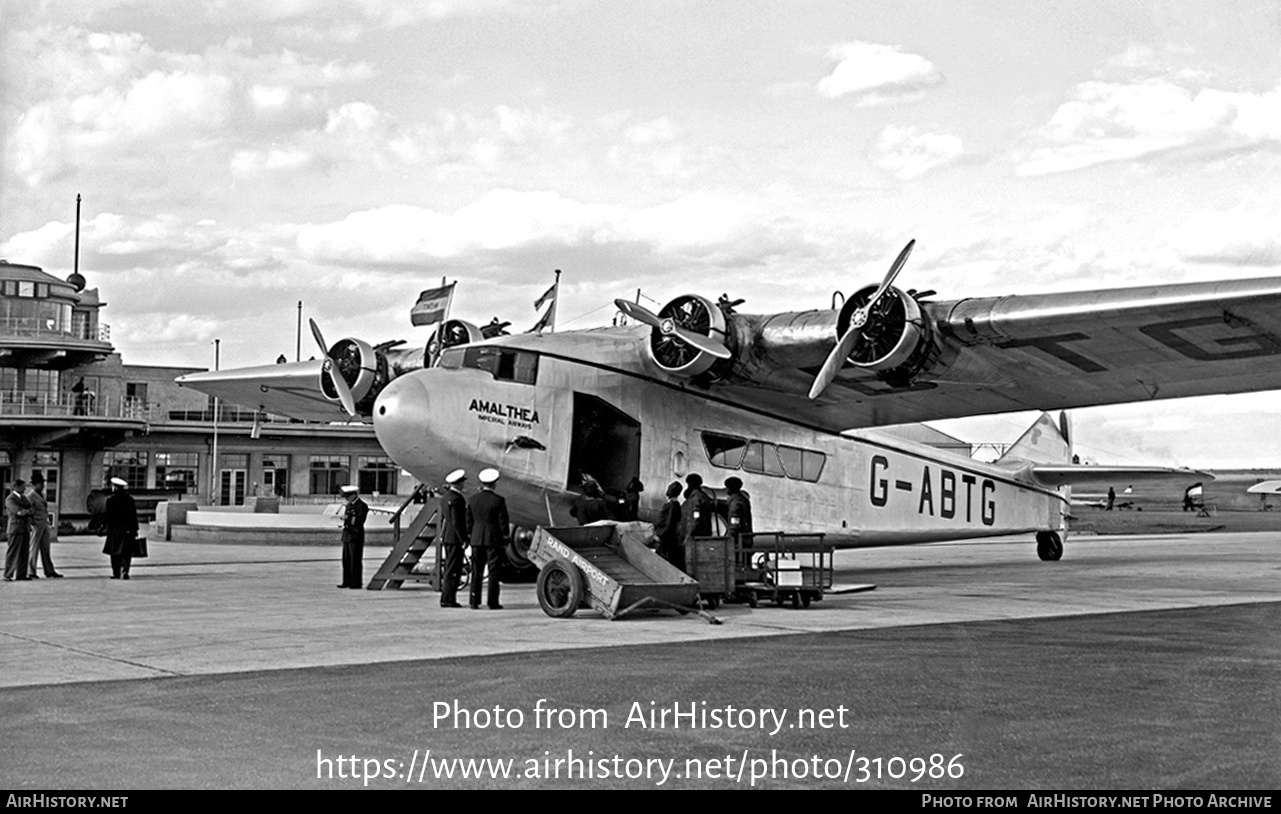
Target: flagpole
x,y
555,302
440,326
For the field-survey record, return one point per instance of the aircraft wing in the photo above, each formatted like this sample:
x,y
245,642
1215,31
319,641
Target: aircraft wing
x,y
1267,487
1047,351
291,389
1055,475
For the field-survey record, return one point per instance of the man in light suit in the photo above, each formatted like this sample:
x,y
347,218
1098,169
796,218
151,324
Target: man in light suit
x,y
41,534
487,528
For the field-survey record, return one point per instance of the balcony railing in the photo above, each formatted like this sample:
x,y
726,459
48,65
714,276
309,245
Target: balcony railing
x,y
44,403
41,328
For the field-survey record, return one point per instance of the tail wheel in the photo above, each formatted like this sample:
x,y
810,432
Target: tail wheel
x,y
1049,546
560,589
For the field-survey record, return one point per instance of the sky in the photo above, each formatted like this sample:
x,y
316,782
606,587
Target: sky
x,y
238,157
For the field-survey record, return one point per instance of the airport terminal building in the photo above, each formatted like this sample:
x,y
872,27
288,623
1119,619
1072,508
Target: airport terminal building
x,y
72,409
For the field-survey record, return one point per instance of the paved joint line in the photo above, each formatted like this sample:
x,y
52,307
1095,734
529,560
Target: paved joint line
x,y
90,653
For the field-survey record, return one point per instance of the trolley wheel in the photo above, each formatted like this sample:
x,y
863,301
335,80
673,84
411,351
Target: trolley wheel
x,y
560,589
796,601
805,600
752,599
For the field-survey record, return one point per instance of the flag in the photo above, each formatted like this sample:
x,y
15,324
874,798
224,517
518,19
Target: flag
x,y
548,296
543,321
432,305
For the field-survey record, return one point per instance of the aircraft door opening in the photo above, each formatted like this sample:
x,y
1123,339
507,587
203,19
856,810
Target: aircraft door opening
x,y
606,444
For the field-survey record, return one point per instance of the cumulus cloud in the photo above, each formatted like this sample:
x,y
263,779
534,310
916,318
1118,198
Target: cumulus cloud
x,y
877,74
908,153
1238,238
1118,121
698,224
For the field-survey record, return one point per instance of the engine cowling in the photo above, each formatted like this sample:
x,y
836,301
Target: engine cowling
x,y
363,369
896,338
693,313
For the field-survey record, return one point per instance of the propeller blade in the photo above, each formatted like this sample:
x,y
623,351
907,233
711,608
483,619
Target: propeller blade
x,y
669,328
636,312
704,343
834,362
335,375
858,320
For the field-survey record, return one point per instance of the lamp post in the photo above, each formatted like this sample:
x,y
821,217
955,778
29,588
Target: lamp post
x,y
213,460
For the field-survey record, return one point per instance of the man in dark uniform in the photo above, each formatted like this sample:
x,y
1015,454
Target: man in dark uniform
x,y
739,510
487,528
17,510
121,519
590,505
668,528
353,537
696,514
453,536
629,508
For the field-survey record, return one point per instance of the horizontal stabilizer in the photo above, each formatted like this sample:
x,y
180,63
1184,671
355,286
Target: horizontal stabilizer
x,y
1055,475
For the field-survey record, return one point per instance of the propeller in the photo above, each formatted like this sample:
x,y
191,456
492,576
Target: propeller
x,y
670,328
858,321
335,375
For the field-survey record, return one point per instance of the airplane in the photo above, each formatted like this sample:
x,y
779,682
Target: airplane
x,y
795,404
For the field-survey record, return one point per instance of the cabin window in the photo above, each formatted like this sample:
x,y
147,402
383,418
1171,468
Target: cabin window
x,y
762,459
504,364
801,464
725,451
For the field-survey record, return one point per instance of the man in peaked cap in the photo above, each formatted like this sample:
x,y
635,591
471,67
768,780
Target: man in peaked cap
x,y
121,520
453,536
353,537
487,529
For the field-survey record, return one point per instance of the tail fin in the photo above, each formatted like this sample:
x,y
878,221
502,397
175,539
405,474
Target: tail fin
x,y
1043,443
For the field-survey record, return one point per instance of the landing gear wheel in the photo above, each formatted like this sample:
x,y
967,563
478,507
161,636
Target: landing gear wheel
x,y
560,589
1049,546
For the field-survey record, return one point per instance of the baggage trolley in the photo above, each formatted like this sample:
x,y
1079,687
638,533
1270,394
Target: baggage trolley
x,y
608,567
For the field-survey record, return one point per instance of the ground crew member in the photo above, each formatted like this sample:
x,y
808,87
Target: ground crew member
x,y
453,536
629,507
40,531
487,528
696,514
590,505
739,510
668,528
353,537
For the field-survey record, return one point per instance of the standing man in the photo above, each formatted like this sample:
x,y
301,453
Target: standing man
x,y
121,518
668,528
487,528
353,537
739,510
41,534
18,509
590,505
696,514
453,536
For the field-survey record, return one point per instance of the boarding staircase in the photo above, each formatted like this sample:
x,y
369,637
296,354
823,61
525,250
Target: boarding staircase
x,y
409,546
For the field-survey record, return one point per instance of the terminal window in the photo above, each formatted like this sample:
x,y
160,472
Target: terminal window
x,y
329,473
177,471
377,474
131,467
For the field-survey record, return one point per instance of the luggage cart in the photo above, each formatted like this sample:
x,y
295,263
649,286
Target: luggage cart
x,y
785,568
609,568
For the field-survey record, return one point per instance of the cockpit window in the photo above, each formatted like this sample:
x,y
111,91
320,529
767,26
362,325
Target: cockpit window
x,y
504,364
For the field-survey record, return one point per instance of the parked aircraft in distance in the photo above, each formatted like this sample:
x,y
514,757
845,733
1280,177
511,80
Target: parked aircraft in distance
x,y
700,387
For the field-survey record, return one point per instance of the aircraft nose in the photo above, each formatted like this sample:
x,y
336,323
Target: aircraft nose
x,y
401,413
